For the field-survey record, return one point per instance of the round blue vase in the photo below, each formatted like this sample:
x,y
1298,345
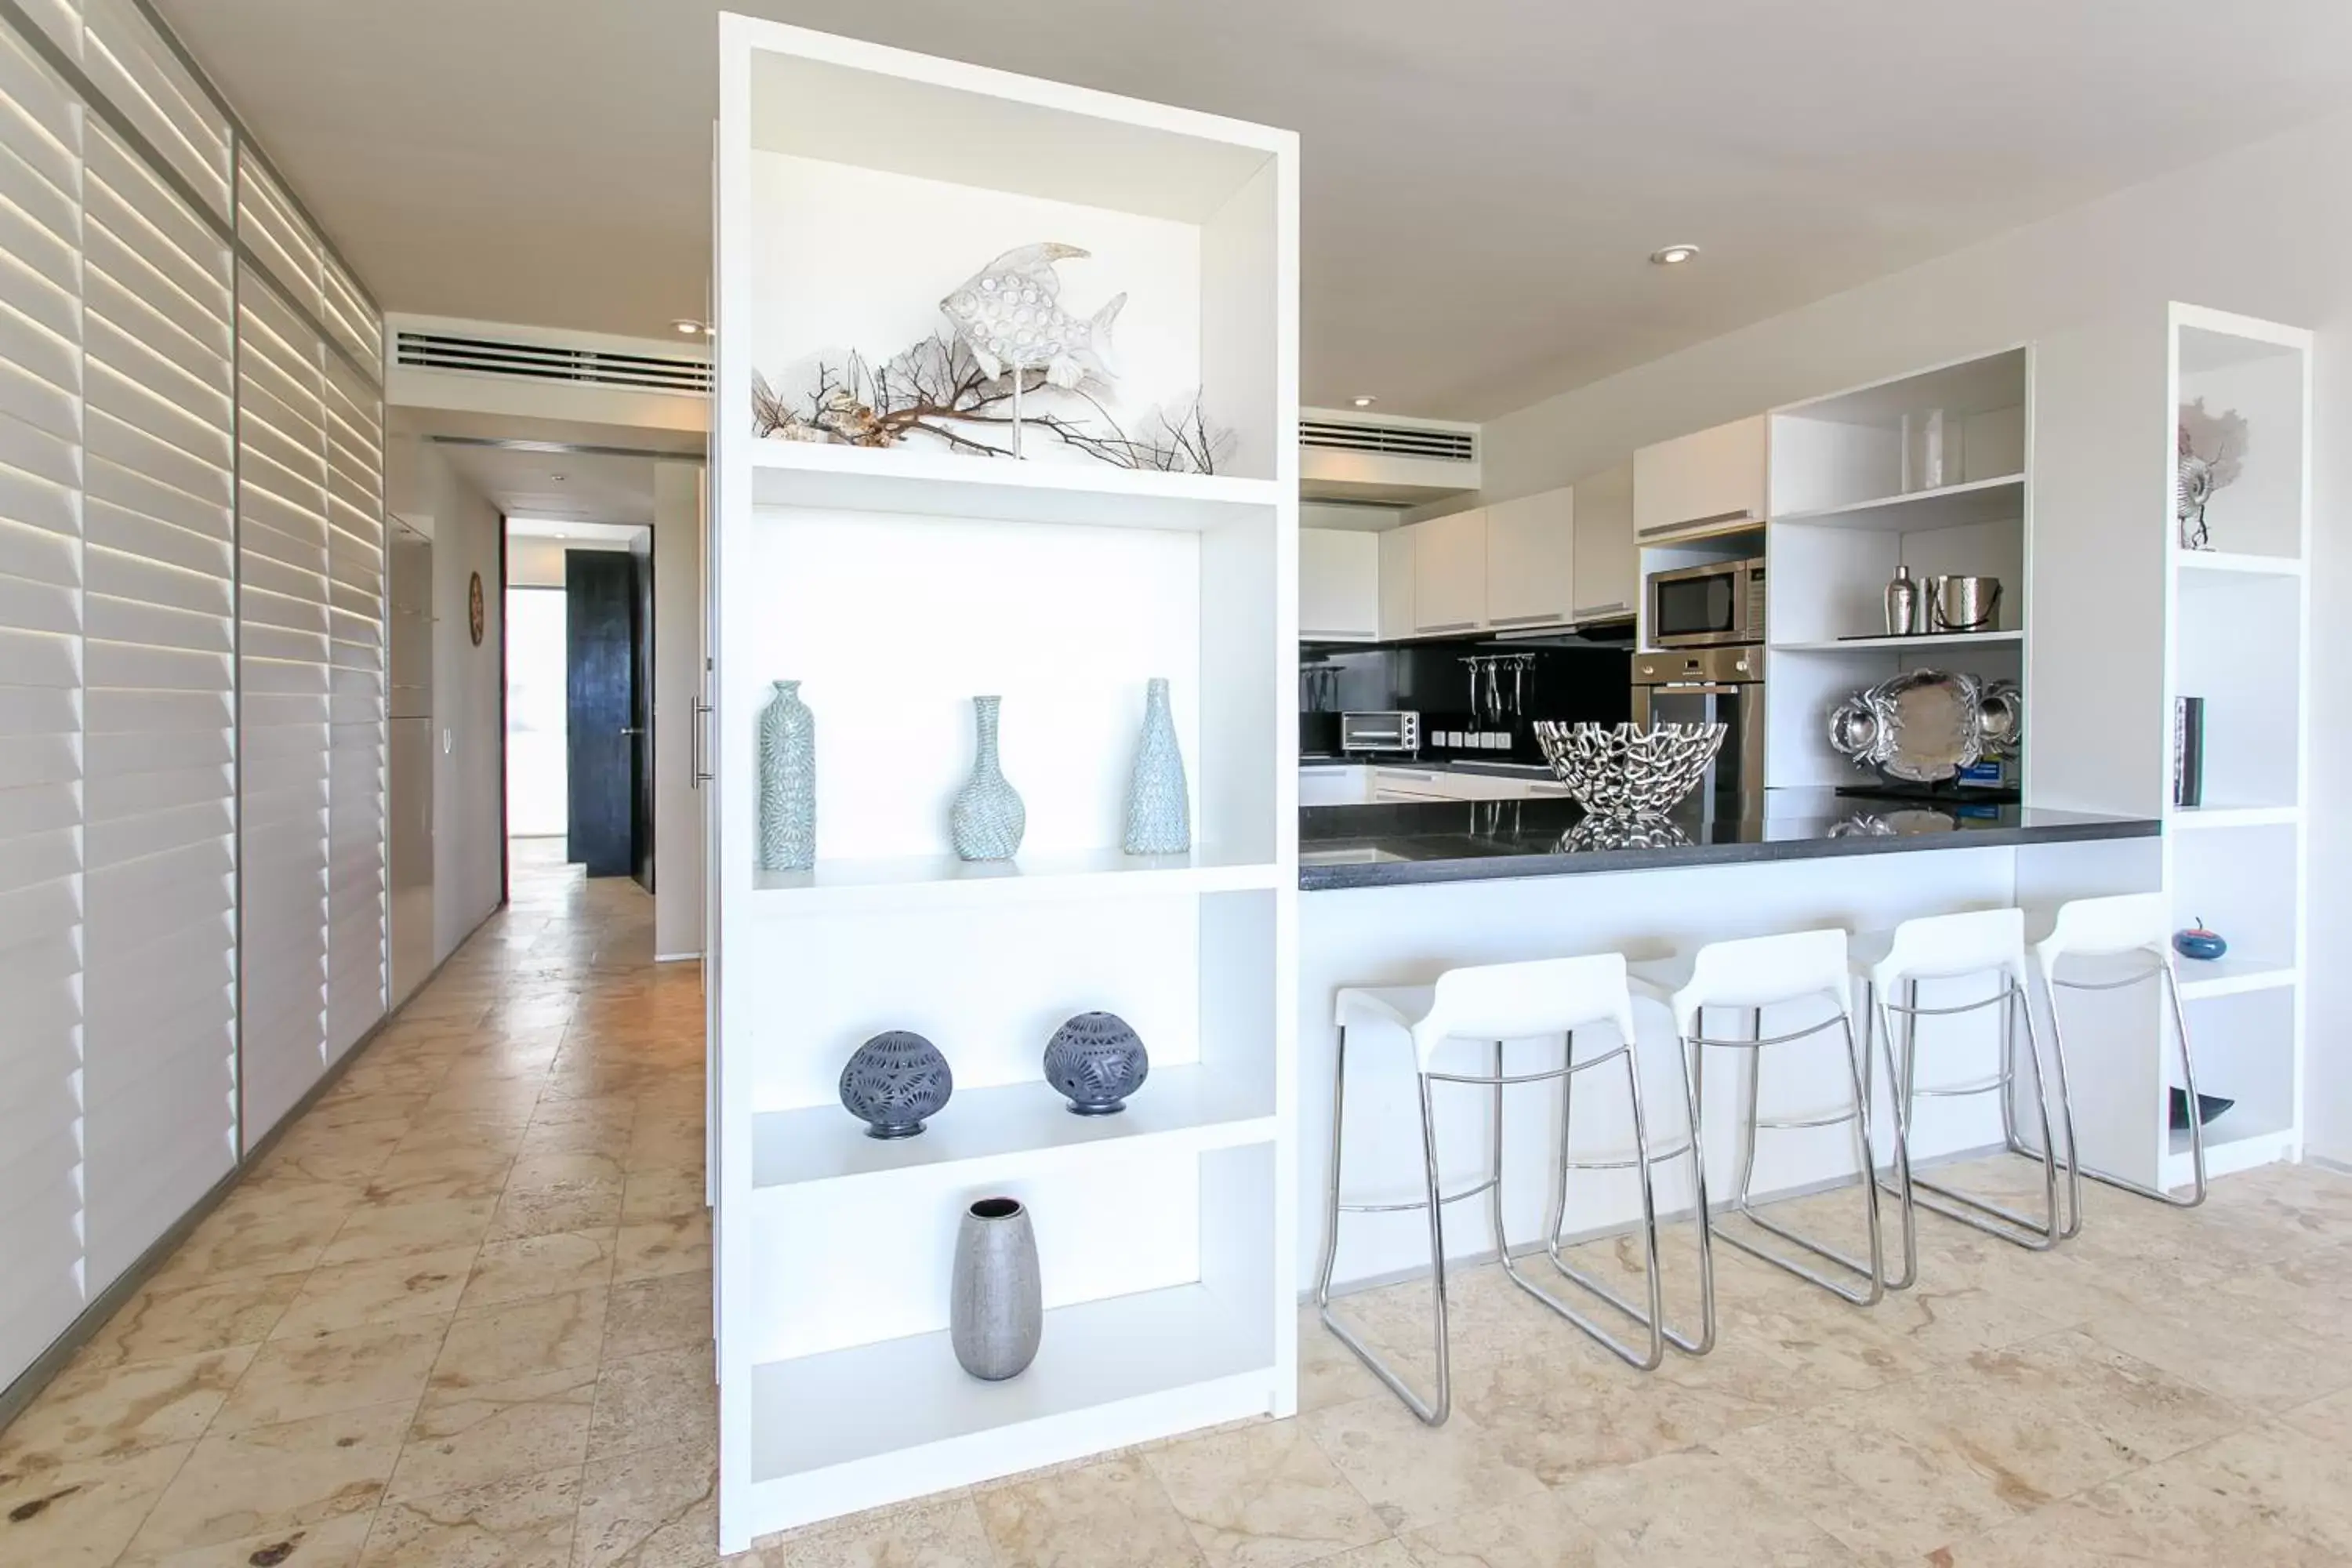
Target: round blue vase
x,y
1097,1061
895,1082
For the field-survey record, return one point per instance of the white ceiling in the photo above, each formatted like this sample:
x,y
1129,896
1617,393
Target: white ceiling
x,y
559,487
1483,179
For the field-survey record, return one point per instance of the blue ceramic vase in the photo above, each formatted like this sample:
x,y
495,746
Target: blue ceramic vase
x,y
787,782
988,818
1158,810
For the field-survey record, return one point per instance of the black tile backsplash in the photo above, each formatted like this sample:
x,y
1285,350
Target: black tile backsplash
x,y
1577,683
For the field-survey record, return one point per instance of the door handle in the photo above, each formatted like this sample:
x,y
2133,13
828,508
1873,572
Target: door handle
x,y
631,730
700,775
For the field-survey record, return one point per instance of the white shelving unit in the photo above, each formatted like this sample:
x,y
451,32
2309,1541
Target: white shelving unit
x,y
858,186
1842,521
2122,600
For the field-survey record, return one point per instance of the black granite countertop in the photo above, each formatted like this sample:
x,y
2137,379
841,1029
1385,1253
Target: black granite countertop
x,y
1459,841
1504,767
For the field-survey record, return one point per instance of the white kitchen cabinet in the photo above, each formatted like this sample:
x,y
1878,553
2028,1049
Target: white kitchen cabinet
x,y
1531,560
1390,785
1449,572
1396,583
1335,786
1338,584
1706,476
1402,784
1608,560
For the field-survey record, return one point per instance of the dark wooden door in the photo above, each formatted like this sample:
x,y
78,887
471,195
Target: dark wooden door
x,y
604,741
641,760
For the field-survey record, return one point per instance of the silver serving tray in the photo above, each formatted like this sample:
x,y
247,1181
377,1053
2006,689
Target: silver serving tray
x,y
1927,726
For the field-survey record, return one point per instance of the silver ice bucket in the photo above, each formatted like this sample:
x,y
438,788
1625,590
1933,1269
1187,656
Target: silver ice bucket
x,y
1963,603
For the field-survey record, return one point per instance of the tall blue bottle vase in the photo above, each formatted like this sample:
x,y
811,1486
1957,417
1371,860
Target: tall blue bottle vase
x,y
988,819
787,782
1159,809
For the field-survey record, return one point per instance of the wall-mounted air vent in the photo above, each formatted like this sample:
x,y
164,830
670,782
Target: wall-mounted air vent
x,y
477,355
1434,442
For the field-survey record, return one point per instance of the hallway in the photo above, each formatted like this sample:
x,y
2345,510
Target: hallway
x,y
462,1306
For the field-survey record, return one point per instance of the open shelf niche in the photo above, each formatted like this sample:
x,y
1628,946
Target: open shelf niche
x,y
1856,492
857,188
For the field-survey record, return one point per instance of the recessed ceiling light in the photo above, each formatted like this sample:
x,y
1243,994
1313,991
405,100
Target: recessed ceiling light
x,y
558,478
689,327
1366,402
1673,255
560,534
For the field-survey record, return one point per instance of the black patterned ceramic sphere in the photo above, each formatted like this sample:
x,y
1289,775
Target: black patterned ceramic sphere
x,y
893,1081
1097,1061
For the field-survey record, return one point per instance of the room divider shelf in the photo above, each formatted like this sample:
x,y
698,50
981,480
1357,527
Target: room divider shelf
x,y
943,882
911,481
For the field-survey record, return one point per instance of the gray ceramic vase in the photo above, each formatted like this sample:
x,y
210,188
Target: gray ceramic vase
x,y
1159,811
1097,1061
996,1310
988,818
895,1082
787,782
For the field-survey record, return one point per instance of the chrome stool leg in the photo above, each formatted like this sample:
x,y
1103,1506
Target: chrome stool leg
x,y
1872,1271
1701,1343
2075,1169
1644,1358
1918,1192
1434,1410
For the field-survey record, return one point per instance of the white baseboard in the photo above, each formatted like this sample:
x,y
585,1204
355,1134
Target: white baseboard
x,y
694,957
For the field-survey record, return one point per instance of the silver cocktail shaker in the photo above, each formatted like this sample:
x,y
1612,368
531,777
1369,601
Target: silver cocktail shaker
x,y
1905,608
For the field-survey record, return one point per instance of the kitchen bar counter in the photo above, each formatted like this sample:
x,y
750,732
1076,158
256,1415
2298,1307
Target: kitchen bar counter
x,y
1414,843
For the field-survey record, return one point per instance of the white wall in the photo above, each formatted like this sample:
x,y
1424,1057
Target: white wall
x,y
468,853
678,682
2264,230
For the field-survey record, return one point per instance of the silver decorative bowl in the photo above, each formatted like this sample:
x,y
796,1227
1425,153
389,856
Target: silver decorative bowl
x,y
1628,770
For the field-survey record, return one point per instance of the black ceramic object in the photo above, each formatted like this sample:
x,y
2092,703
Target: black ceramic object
x,y
2209,1106
1097,1061
894,1081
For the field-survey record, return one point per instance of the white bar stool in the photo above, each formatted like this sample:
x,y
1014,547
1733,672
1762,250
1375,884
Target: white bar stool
x,y
1491,1002
1751,974
2117,929
1945,947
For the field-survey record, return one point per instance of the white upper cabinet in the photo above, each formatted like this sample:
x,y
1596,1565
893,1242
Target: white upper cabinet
x,y
1707,476
1531,560
1607,561
1338,584
1396,551
1449,572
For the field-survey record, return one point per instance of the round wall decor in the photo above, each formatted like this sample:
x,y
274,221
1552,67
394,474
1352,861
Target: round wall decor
x,y
474,607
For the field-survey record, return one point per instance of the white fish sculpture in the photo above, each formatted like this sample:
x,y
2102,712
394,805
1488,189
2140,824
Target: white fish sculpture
x,y
1008,313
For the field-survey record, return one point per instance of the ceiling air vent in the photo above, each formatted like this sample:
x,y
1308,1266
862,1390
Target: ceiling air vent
x,y
477,355
1436,443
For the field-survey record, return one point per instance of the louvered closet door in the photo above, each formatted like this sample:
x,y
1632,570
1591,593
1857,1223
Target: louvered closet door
x,y
285,661
41,931
159,714
355,796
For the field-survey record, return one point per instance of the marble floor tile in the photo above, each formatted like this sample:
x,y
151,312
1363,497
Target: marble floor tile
x,y
399,1227
1263,1496
521,1339
1329,1371
83,1512
2250,1352
464,1437
2142,1413
2328,1419
1108,1513
318,1374
1414,1475
1389,1553
540,1265
1531,1533
664,1312
938,1533
657,1400
663,1193
278,1477
105,1412
264,1230
332,1543
523,1521
1694,1507
678,1245
657,1508
380,1291
158,1323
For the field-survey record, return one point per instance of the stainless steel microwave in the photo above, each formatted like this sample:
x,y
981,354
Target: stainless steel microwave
x,y
1705,607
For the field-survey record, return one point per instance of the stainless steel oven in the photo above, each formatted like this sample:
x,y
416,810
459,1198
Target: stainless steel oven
x,y
1712,686
1712,606
1394,730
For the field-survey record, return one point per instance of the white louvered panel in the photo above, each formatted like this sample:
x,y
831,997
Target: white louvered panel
x,y
284,737
354,324
41,890
141,76
60,19
270,226
159,616
355,811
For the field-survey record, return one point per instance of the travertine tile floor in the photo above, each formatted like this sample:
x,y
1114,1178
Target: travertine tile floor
x,y
460,1318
